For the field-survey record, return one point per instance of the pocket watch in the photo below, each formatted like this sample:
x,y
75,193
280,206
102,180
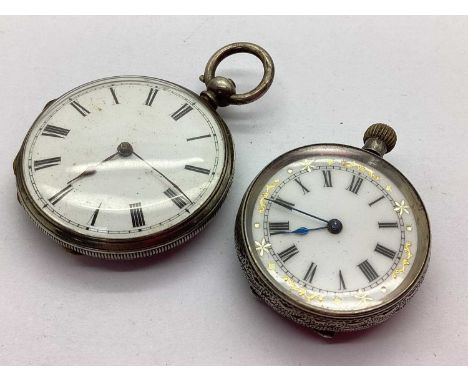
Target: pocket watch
x,y
131,166
334,237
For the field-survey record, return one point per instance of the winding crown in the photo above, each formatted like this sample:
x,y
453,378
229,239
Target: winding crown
x,y
382,132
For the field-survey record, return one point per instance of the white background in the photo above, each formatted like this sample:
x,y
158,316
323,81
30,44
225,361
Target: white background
x,y
334,77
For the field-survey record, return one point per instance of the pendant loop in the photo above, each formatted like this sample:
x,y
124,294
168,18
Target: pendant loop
x,y
221,91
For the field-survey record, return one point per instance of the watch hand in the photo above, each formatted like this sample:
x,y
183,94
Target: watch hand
x,y
91,169
289,207
300,230
164,176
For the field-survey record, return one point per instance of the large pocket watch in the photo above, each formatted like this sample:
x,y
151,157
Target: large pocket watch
x,y
334,237
131,166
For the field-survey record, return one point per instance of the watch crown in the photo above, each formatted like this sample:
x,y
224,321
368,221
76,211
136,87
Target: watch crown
x,y
380,133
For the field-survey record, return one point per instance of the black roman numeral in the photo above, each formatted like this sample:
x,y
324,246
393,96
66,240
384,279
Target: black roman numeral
x,y
200,137
288,253
55,131
355,184
385,251
60,195
114,95
93,218
327,178
304,188
376,200
283,203
44,163
149,100
136,212
368,271
80,109
276,228
309,276
178,199
197,169
342,283
184,109
388,225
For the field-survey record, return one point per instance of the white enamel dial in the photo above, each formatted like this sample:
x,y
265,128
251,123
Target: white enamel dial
x,y
333,233
124,157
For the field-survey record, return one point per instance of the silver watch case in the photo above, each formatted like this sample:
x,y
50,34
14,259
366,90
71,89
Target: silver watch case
x,y
324,322
127,249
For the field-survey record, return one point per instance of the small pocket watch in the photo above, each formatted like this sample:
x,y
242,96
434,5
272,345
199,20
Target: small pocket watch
x,y
334,237
131,166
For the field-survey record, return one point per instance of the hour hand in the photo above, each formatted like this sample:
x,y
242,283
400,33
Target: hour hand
x,y
90,170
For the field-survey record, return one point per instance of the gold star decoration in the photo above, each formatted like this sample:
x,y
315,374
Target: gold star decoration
x,y
262,247
307,165
401,207
362,297
388,188
330,162
272,266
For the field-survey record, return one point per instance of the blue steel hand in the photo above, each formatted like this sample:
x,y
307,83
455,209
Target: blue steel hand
x,y
300,230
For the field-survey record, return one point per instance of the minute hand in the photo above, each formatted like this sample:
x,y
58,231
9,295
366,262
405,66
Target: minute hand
x,y
289,207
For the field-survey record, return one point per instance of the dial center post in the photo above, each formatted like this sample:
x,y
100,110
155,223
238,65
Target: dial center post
x,y
125,149
334,226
